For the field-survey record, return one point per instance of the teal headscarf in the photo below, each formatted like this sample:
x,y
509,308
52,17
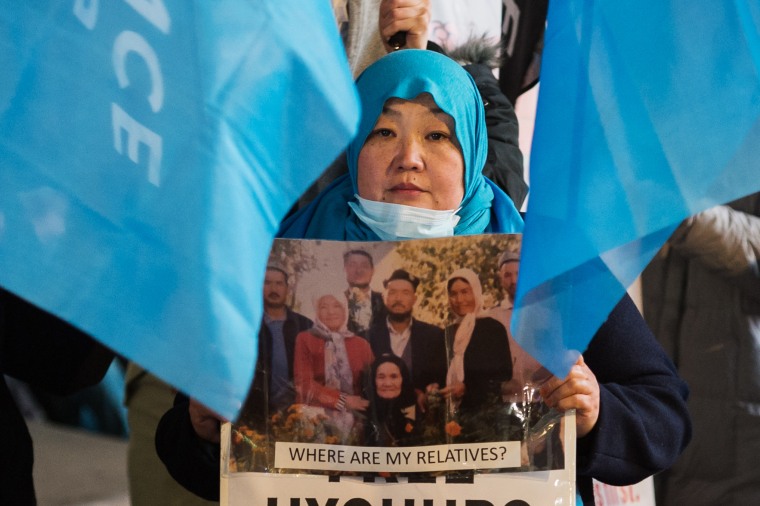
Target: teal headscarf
x,y
406,74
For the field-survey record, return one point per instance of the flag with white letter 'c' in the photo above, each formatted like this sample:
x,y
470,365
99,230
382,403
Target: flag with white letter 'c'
x,y
648,112
148,151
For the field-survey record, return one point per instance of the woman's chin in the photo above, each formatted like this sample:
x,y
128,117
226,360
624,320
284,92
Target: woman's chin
x,y
411,199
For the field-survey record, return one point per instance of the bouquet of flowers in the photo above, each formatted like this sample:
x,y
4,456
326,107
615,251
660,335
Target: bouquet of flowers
x,y
252,449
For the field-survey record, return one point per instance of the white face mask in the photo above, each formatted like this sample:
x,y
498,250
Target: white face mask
x,y
396,221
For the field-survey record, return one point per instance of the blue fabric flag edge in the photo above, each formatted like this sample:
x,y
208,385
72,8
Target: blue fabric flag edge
x,y
569,254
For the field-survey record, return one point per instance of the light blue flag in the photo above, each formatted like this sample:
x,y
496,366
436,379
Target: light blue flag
x,y
148,150
648,112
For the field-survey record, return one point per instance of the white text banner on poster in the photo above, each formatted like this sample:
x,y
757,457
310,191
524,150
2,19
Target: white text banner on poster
x,y
309,456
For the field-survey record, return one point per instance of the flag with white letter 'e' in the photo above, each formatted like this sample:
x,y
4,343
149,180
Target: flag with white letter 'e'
x,y
148,150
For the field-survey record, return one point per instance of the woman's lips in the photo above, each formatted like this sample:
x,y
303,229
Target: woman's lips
x,y
406,188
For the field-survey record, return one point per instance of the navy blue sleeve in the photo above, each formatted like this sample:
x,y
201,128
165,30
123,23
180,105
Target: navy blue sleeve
x,y
643,424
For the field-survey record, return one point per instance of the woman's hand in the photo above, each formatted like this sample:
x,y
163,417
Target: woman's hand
x,y
579,391
205,422
455,391
410,16
421,400
356,403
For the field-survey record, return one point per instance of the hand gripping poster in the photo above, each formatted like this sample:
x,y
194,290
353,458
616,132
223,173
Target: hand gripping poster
x,y
387,375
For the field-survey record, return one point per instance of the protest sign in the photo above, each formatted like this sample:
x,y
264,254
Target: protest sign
x,y
406,384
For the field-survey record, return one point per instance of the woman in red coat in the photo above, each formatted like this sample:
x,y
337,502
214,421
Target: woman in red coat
x,y
330,362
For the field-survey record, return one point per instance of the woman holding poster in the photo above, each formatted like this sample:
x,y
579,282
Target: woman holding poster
x,y
329,364
415,172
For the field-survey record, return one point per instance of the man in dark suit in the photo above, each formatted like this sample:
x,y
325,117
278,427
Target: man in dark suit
x,y
365,307
421,345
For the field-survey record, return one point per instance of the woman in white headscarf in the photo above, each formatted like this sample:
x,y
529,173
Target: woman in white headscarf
x,y
479,357
330,360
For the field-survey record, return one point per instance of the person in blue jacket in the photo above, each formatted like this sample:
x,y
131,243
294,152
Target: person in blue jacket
x,y
415,171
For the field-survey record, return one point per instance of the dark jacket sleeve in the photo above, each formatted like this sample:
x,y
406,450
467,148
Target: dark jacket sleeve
x,y
191,461
643,421
45,351
504,165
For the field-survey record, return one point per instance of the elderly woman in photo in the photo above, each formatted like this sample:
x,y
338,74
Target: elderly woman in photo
x,y
329,363
391,417
415,171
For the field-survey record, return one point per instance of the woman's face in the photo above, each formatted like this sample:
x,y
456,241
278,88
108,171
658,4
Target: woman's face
x,y
461,297
331,312
412,157
388,380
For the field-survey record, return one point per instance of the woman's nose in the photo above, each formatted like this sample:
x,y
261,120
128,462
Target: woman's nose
x,y
409,156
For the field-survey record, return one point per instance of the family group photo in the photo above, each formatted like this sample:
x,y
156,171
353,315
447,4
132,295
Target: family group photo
x,y
394,344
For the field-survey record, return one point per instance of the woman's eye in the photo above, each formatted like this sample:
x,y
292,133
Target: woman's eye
x,y
438,136
383,132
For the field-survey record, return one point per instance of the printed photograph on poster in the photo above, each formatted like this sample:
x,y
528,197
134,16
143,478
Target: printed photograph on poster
x,y
394,360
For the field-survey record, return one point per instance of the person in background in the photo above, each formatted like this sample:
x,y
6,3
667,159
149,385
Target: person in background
x,y
367,27
46,352
147,399
701,296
